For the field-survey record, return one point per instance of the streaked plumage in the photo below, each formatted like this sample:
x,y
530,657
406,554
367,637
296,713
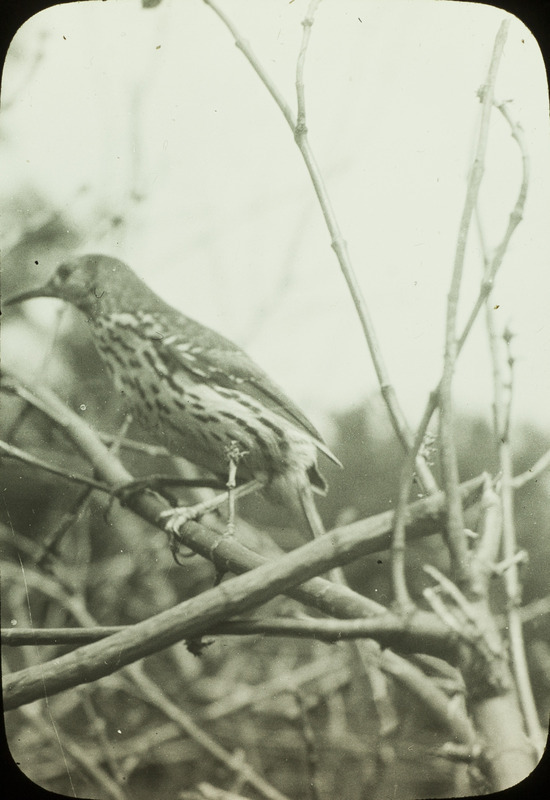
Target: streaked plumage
x,y
197,390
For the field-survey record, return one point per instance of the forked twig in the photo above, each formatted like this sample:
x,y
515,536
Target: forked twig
x,y
456,539
298,127
492,267
502,389
533,472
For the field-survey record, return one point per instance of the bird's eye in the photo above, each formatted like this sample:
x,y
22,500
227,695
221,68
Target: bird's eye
x,y
63,272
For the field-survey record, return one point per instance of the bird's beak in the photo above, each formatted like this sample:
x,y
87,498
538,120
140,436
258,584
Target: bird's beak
x,y
41,291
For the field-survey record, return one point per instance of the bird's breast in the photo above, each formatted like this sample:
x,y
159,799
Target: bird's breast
x,y
164,384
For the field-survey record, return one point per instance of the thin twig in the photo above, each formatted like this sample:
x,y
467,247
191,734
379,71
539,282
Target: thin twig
x,y
74,752
491,269
176,518
149,506
387,627
233,762
351,541
455,526
139,447
76,606
533,472
153,480
11,451
399,583
502,403
502,419
98,727
244,46
492,265
299,130
328,674
189,619
487,547
310,746
307,24
338,242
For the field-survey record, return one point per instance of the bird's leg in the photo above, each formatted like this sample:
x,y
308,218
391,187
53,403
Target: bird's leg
x,y
234,455
119,436
175,518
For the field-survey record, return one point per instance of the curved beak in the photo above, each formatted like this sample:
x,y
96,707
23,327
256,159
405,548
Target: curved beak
x,y
41,291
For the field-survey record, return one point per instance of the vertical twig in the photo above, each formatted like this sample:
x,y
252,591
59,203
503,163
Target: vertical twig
x,y
455,524
492,267
400,592
501,422
307,24
502,406
338,243
312,755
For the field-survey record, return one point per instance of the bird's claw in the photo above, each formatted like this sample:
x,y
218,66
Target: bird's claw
x,y
174,519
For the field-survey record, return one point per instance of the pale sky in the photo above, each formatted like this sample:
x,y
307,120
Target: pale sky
x,y
106,102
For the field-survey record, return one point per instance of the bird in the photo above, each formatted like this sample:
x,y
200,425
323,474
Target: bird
x,y
192,387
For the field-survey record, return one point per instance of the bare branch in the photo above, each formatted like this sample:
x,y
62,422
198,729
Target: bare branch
x,y
27,458
338,242
455,525
387,628
533,472
189,619
493,265
233,762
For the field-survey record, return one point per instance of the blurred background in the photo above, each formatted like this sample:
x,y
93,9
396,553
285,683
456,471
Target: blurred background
x,y
146,135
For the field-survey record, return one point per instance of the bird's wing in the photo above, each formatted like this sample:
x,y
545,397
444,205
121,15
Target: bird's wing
x,y
208,356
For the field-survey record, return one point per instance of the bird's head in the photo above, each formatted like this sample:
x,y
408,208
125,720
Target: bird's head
x,y
87,282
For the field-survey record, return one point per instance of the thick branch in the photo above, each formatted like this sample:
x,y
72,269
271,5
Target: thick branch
x,y
190,619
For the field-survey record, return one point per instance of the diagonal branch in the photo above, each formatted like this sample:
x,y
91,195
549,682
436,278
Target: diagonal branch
x,y
191,618
338,243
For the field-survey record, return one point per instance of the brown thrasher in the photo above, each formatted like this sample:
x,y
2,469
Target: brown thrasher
x,y
199,392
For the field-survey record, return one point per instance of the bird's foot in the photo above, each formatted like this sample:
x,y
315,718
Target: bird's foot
x,y
175,518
